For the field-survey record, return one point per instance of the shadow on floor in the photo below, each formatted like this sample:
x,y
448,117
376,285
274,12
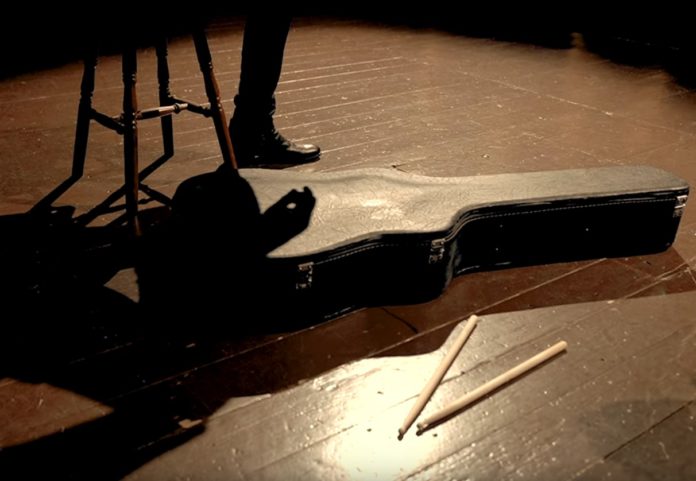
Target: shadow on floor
x,y
200,271
165,364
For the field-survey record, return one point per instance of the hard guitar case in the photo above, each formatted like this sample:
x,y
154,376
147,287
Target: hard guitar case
x,y
373,237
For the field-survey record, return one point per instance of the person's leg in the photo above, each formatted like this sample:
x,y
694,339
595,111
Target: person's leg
x,y
254,137
262,60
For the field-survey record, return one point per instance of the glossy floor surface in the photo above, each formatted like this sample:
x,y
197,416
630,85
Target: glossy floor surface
x,y
93,386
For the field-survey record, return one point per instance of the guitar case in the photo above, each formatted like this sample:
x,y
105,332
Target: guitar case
x,y
316,245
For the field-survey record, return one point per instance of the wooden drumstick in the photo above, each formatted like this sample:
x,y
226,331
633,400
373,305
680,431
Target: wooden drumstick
x,y
437,376
493,384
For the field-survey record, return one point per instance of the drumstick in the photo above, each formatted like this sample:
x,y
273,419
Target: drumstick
x,y
493,384
438,375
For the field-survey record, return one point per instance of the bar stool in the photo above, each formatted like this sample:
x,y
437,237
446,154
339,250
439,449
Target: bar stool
x,y
126,123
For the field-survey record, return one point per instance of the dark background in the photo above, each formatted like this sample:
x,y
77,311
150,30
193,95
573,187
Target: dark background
x,y
35,37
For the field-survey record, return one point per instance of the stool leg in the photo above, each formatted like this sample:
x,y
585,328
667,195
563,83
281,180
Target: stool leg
x,y
165,96
130,136
84,115
213,92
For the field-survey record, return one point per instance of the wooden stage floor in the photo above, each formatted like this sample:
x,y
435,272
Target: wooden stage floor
x,y
90,388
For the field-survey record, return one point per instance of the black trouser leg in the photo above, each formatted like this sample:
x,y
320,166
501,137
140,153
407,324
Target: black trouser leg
x,y
262,60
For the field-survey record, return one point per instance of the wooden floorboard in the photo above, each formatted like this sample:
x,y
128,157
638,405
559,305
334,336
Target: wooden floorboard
x,y
92,387
656,454
561,418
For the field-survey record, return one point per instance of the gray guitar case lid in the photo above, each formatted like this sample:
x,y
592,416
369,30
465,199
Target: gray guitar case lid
x,y
314,245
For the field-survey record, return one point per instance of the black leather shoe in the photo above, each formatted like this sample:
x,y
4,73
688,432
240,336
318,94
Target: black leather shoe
x,y
266,147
